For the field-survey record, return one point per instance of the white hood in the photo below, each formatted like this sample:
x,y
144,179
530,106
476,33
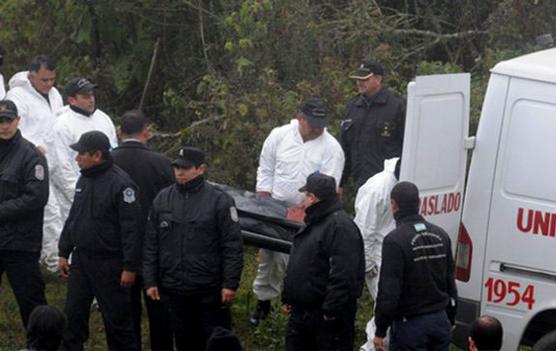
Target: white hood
x,y
20,79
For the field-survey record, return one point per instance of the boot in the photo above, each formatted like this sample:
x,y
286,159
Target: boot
x,y
261,312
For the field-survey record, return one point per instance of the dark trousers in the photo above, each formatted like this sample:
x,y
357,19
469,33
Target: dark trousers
x,y
427,332
24,275
159,319
100,278
308,330
194,317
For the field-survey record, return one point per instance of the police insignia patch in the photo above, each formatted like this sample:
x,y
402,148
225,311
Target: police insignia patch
x,y
39,172
233,214
129,195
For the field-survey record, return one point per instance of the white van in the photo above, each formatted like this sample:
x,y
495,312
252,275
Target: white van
x,y
506,243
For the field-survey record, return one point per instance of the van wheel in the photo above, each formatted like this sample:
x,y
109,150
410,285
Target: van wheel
x,y
547,342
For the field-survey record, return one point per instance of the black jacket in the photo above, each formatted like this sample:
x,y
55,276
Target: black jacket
x,y
371,132
326,269
104,218
150,170
417,272
193,242
23,194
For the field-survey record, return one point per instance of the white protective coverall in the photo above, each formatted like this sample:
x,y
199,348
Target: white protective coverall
x,y
38,115
64,170
375,220
284,165
2,87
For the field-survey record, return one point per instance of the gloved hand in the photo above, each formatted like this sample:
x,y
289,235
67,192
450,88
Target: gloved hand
x,y
373,272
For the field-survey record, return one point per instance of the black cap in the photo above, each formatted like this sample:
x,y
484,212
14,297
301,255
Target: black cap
x,y
189,156
314,111
8,109
79,86
367,69
92,141
322,185
406,195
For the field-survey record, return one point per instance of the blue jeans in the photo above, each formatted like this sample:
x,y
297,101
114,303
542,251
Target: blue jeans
x,y
427,332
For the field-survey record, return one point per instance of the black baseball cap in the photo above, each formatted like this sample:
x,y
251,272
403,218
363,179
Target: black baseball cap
x,y
79,86
189,156
322,185
367,69
92,141
314,111
8,109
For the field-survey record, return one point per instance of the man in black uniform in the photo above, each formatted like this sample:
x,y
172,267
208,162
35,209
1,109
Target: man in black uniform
x,y
417,291
193,254
325,273
102,232
373,127
151,172
23,195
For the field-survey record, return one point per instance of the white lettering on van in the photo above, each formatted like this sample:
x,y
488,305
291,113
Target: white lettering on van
x,y
536,222
440,204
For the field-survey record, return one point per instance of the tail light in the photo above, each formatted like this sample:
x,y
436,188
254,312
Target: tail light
x,y
464,252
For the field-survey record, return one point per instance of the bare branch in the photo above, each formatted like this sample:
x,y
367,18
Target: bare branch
x,y
191,126
439,36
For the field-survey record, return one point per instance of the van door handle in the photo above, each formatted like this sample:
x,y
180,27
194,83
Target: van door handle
x,y
469,143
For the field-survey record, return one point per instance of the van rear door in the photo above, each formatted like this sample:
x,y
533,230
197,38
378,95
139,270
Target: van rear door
x,y
435,146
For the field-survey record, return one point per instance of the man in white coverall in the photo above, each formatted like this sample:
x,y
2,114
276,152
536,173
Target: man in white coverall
x,y
289,155
38,101
374,218
78,117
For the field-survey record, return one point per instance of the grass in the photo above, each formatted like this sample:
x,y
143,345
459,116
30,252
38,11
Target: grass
x,y
269,335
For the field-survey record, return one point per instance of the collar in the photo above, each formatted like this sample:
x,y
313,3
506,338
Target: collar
x,y
191,186
321,209
81,111
12,141
99,169
381,97
407,215
131,139
132,144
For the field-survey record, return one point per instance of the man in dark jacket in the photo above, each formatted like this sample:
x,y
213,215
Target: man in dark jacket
x,y
373,127
417,291
151,172
23,195
325,273
102,232
193,254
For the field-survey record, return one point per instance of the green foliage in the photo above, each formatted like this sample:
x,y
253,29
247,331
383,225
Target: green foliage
x,y
227,72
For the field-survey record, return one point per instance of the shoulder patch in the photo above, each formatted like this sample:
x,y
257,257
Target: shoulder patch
x,y
129,195
39,172
233,214
420,227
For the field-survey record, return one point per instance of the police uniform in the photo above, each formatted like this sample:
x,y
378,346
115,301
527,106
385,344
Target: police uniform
x,y
101,233
325,274
23,195
417,290
371,131
193,249
152,172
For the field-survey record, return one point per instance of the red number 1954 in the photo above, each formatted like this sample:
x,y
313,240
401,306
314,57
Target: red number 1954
x,y
510,293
